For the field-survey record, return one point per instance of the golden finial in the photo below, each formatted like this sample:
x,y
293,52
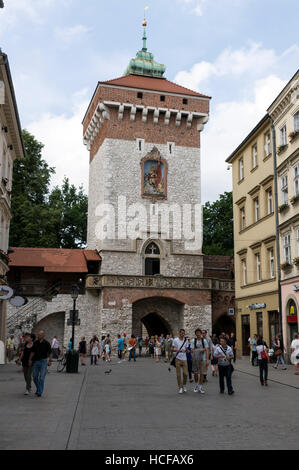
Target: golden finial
x,y
144,23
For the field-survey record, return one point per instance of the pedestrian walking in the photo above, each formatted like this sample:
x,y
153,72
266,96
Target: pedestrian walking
x,y
140,343
253,343
10,348
40,358
179,346
168,351
200,351
94,351
24,360
158,351
55,348
83,351
224,354
278,352
107,352
132,347
263,359
189,360
232,342
120,348
151,346
214,361
295,353
210,352
70,345
102,346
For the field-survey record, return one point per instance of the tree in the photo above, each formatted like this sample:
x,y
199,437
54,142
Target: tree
x,y
218,236
56,219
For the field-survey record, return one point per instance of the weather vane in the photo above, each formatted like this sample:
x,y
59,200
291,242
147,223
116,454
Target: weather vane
x,y
144,23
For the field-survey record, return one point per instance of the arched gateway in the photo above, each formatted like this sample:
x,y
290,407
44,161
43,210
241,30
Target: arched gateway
x,y
158,315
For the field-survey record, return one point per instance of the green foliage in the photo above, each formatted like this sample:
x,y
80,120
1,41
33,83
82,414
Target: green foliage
x,y
218,235
56,219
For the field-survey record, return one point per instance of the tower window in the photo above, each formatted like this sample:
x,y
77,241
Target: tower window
x,y
152,259
185,101
162,98
140,95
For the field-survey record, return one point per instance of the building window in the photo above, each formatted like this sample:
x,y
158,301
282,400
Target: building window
x,y
254,156
256,209
287,248
162,98
140,95
267,144
284,189
296,180
244,272
270,201
152,259
185,101
140,144
170,146
283,135
296,121
258,267
242,218
271,263
241,169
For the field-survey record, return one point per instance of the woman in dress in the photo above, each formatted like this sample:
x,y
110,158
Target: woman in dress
x,y
94,351
158,349
295,353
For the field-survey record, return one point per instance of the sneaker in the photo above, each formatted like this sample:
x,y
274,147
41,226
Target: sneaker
x,y
184,389
196,388
274,367
266,383
262,383
201,390
181,390
230,393
284,368
26,392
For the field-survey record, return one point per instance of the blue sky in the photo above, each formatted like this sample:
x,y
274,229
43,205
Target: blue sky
x,y
241,52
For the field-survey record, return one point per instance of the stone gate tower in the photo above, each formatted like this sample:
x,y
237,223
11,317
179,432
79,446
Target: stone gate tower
x,y
143,133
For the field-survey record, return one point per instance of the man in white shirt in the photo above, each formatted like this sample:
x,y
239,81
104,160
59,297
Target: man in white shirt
x,y
179,347
224,354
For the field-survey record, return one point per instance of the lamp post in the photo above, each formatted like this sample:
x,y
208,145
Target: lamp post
x,y
74,294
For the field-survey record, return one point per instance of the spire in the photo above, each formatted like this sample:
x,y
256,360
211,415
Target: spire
x,y
144,63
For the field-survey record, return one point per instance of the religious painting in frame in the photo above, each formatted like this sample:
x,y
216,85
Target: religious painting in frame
x,y
154,175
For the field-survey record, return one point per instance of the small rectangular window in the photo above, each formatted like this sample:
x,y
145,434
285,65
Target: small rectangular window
x,y
185,101
140,95
162,98
283,135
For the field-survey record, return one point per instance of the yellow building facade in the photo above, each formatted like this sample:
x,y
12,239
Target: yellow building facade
x,y
256,285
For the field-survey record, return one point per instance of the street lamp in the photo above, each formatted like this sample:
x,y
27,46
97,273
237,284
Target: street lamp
x,y
74,294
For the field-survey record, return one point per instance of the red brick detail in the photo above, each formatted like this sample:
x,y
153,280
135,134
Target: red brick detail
x,y
189,297
221,302
218,267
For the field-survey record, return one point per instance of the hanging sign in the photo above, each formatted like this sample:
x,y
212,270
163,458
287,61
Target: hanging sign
x,y
5,292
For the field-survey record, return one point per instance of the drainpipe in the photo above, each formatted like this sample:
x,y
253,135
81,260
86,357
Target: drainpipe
x,y
277,226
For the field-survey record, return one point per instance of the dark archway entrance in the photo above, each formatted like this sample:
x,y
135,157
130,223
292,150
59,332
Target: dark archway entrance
x,y
158,315
156,325
225,324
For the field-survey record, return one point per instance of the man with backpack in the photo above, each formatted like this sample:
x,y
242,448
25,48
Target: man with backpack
x,y
200,359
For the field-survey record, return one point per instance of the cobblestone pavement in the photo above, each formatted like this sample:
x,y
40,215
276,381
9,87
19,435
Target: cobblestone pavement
x,y
137,406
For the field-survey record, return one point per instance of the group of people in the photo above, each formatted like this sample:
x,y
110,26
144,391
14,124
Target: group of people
x,y
193,356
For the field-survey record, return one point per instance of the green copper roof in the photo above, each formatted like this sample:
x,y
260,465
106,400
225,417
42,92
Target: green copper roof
x,y
144,63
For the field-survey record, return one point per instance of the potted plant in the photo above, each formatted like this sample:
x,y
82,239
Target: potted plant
x,y
296,261
294,199
281,148
285,265
293,135
283,207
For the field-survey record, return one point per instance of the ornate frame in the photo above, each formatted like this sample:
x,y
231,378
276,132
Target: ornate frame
x,y
154,154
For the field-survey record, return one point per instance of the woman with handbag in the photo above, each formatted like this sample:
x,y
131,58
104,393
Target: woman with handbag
x,y
278,352
263,359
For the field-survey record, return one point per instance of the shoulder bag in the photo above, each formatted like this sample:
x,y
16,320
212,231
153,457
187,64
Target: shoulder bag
x,y
173,360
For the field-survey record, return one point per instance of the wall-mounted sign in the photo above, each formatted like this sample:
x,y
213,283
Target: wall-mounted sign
x,y
296,287
257,306
231,311
292,319
5,292
18,301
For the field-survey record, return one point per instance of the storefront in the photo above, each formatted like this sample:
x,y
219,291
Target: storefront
x,y
290,308
258,315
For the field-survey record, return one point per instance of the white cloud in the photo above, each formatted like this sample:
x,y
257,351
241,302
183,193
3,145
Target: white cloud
x,y
196,6
68,35
229,62
62,137
15,11
229,124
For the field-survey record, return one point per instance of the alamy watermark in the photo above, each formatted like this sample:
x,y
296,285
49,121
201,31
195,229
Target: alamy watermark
x,y
133,221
